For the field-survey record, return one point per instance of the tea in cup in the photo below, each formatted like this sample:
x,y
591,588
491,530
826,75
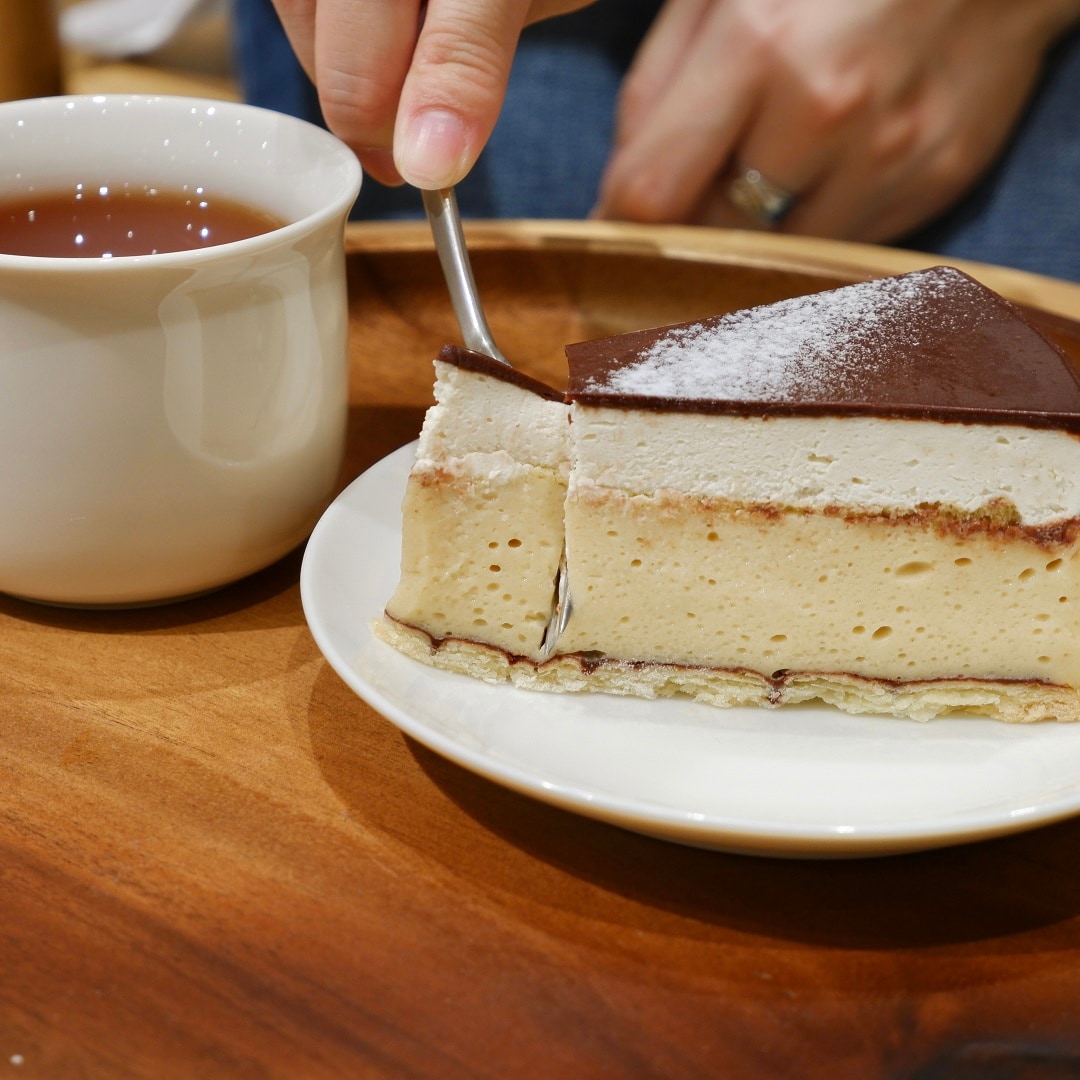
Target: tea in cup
x,y
173,354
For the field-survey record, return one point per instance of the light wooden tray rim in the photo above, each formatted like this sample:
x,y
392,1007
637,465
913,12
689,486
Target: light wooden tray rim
x,y
727,246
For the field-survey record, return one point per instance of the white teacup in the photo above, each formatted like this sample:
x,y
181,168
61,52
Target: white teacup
x,y
170,422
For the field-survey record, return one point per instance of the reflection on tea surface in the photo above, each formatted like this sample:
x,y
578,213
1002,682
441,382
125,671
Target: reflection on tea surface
x,y
110,221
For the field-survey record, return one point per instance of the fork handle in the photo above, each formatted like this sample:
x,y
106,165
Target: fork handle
x,y
445,221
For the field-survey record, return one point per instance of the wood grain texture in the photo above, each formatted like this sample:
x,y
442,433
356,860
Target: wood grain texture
x,y
216,861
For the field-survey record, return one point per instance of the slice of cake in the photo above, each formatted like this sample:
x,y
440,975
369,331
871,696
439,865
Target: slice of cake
x,y
868,496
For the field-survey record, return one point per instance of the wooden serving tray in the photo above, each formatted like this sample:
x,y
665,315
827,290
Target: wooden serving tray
x,y
215,860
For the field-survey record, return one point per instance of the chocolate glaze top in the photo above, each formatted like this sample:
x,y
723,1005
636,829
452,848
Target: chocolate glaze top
x,y
488,365
933,345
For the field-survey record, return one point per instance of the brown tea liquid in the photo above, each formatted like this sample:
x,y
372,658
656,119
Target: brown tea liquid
x,y
98,222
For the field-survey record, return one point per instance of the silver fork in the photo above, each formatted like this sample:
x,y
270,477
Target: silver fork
x,y
445,221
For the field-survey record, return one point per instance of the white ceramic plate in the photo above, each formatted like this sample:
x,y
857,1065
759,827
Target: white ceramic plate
x,y
801,781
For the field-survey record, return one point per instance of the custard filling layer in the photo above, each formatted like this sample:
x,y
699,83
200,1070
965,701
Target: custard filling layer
x,y
668,580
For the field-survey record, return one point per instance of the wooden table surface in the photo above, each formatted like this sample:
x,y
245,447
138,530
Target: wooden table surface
x,y
215,860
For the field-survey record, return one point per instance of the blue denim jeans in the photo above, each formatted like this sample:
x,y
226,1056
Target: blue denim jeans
x,y
548,150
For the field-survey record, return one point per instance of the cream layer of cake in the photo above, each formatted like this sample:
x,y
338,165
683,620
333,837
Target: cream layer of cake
x,y
868,497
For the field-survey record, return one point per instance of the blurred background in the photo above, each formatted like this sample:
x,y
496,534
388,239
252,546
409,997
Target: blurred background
x,y
116,46
1022,211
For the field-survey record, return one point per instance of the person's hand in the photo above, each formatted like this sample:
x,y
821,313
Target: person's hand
x,y
413,88
875,115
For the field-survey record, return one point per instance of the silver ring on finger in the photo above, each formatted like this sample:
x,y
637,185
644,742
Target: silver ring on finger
x,y
758,197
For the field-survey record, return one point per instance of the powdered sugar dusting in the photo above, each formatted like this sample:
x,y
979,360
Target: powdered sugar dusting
x,y
797,348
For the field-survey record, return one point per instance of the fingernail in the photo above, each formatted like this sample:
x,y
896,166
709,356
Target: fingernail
x,y
432,153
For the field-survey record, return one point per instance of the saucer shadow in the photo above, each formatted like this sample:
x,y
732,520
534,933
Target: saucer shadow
x,y
942,897
509,843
